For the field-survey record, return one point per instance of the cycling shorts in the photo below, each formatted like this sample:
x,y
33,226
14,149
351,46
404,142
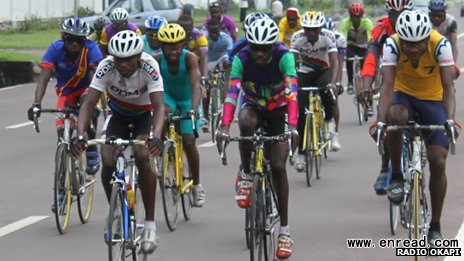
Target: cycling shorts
x,y
181,107
70,100
118,125
275,121
429,112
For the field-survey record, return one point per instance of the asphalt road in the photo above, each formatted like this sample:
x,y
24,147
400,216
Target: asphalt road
x,y
341,205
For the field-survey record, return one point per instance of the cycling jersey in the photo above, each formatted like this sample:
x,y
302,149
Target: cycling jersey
x,y
219,48
340,41
109,30
313,57
129,96
359,36
448,26
94,37
147,48
267,87
422,81
379,34
197,42
286,32
228,26
237,46
55,58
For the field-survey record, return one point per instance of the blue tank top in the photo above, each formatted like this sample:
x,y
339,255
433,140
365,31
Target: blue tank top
x,y
177,86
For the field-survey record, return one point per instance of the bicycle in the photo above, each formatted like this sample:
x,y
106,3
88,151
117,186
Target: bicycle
x,y
216,85
262,217
175,184
414,211
71,183
362,105
126,215
316,139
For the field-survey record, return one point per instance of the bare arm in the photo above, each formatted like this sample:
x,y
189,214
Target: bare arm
x,y
194,72
204,61
157,103
453,38
449,98
341,60
86,110
333,70
45,75
386,92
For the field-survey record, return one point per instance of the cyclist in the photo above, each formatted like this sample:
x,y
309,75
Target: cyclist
x,y
446,25
228,25
288,25
357,29
98,26
417,68
265,71
182,93
219,47
134,85
150,39
119,21
383,28
315,52
74,60
340,41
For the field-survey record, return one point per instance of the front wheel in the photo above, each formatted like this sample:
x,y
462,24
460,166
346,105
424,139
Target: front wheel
x,y
187,197
168,186
309,149
114,234
257,222
62,188
85,195
394,217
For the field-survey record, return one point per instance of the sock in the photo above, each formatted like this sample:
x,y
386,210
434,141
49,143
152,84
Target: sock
x,y
435,226
197,187
150,224
284,230
397,176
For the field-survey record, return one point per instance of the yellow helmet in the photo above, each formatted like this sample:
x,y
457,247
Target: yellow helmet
x,y
171,33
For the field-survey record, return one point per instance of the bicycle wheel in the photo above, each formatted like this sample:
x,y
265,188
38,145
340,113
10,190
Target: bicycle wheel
x,y
309,149
62,188
187,197
394,217
137,221
114,235
169,190
272,225
213,113
85,195
318,156
257,221
414,232
247,227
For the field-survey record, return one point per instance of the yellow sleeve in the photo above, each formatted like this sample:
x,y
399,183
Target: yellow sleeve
x,y
282,28
104,37
202,41
93,37
138,32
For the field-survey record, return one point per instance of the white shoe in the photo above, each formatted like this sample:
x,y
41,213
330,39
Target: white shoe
x,y
335,143
329,129
199,196
149,240
300,163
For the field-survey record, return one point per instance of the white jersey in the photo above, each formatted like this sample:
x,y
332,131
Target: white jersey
x,y
129,96
313,57
448,26
340,41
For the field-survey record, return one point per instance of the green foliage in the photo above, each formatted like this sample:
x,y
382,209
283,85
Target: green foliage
x,y
85,11
32,39
35,23
13,56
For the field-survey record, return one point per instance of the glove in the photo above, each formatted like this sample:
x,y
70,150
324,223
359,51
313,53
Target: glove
x,y
78,145
374,130
295,137
339,88
155,146
330,93
454,126
35,108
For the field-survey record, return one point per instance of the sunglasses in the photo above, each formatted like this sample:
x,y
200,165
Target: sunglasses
x,y
437,15
74,39
261,48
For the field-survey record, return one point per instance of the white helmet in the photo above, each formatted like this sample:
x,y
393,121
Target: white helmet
x,y
313,19
75,26
413,26
119,15
262,31
125,44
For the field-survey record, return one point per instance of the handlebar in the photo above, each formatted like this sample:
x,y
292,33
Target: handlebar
x,y
116,142
190,116
66,111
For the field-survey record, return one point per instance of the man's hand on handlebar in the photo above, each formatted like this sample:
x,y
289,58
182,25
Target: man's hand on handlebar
x,y
155,146
78,145
34,109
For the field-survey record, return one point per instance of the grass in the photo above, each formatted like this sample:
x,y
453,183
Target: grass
x,y
40,39
6,55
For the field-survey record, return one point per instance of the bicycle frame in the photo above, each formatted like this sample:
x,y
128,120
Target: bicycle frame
x,y
316,116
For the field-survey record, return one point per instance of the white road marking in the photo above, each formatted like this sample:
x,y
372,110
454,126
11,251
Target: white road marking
x,y
20,224
20,125
207,144
9,88
460,35
460,238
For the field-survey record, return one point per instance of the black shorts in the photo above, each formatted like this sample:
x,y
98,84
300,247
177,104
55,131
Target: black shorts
x,y
274,122
118,125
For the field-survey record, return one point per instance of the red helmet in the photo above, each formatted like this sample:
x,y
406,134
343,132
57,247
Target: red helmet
x,y
356,9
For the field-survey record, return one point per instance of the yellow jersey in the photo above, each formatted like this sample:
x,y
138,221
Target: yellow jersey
x,y
286,32
421,80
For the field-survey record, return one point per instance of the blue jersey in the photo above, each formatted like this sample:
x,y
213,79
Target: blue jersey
x,y
55,58
217,49
238,45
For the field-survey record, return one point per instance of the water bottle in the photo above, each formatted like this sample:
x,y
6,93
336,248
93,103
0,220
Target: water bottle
x,y
130,197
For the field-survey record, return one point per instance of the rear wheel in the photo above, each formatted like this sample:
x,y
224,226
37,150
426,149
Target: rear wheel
x,y
187,197
394,217
137,221
168,186
114,235
62,188
85,195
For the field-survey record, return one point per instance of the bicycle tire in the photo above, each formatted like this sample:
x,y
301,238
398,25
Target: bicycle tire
x,y
137,220
272,224
168,186
62,196
257,221
114,235
187,197
309,149
247,227
394,215
213,113
85,195
318,156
